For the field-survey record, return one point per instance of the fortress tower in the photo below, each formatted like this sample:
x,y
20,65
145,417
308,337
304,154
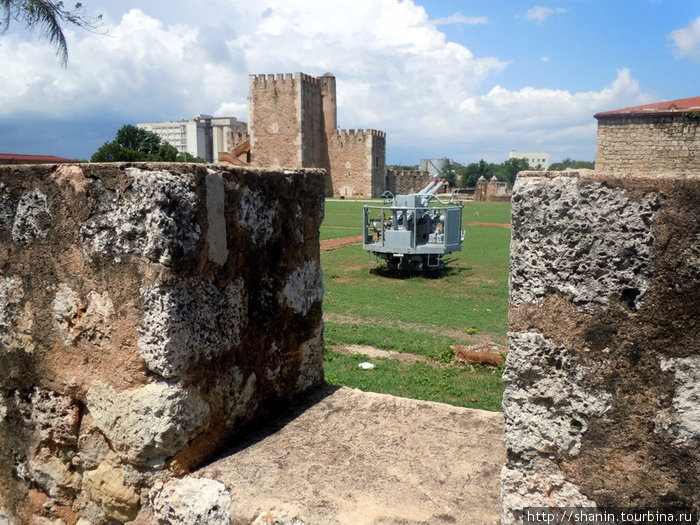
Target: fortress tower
x,y
293,124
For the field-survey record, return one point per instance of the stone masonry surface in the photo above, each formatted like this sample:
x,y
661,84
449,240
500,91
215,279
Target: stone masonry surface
x,y
147,313
648,143
602,380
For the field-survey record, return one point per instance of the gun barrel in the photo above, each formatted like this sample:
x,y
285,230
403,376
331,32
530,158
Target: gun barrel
x,y
436,187
427,188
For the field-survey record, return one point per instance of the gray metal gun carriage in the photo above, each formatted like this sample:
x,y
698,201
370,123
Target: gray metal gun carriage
x,y
414,231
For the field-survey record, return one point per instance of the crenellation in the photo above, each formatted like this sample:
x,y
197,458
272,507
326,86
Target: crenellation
x,y
293,124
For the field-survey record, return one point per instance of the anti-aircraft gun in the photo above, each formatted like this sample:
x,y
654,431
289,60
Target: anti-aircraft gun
x,y
414,231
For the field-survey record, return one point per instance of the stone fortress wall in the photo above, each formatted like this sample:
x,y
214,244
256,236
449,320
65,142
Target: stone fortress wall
x,y
602,381
402,182
656,138
276,103
293,124
652,144
147,312
358,162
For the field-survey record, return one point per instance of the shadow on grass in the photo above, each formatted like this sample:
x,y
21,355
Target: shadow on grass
x,y
447,271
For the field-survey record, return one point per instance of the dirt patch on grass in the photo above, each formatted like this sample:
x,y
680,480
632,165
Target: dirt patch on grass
x,y
333,244
492,340
497,224
373,352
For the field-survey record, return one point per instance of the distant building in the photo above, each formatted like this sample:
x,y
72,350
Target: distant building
x,y
654,138
203,136
434,166
14,158
535,160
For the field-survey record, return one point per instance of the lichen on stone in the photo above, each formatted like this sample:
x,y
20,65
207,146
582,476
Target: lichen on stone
x,y
15,317
188,321
311,365
191,501
32,216
545,488
155,218
304,288
257,215
684,424
546,402
11,295
582,239
8,207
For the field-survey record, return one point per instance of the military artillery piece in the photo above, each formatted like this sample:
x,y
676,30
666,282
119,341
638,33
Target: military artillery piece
x,y
414,231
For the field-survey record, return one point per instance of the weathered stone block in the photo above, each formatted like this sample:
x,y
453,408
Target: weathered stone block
x,y
191,501
147,311
602,382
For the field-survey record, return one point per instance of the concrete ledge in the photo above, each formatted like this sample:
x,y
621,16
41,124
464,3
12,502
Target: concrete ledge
x,y
348,457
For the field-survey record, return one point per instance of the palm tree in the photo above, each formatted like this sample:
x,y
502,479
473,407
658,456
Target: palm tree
x,y
48,16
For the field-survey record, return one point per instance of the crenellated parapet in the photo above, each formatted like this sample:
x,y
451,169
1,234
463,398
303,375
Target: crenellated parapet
x,y
285,82
235,139
359,134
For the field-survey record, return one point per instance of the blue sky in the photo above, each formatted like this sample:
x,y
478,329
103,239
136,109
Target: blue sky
x,y
462,79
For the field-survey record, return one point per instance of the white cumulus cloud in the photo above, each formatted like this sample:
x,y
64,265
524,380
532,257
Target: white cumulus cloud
x,y
539,13
686,41
459,18
396,71
529,117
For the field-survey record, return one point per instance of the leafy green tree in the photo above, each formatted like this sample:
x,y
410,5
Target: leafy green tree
x,y
572,164
136,144
510,168
449,173
401,167
472,172
48,16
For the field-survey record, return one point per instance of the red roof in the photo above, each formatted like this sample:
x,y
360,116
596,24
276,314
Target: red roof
x,y
14,158
672,107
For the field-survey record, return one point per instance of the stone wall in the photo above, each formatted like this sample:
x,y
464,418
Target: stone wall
x,y
648,143
147,311
274,121
287,123
293,122
602,382
357,162
403,182
491,190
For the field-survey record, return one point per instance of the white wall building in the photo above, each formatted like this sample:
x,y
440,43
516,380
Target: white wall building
x,y
203,136
535,160
433,166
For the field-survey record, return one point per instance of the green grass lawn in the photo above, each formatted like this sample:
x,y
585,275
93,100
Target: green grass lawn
x,y
418,314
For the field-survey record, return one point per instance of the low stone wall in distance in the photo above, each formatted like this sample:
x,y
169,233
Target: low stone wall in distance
x,y
602,382
147,311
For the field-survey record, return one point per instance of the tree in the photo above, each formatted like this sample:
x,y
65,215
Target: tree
x,y
471,173
572,164
136,144
510,168
47,16
449,173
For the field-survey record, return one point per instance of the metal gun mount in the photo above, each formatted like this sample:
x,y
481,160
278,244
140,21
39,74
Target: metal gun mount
x,y
414,231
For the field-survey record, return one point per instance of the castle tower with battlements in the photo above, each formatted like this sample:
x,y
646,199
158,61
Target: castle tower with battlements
x,y
293,124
